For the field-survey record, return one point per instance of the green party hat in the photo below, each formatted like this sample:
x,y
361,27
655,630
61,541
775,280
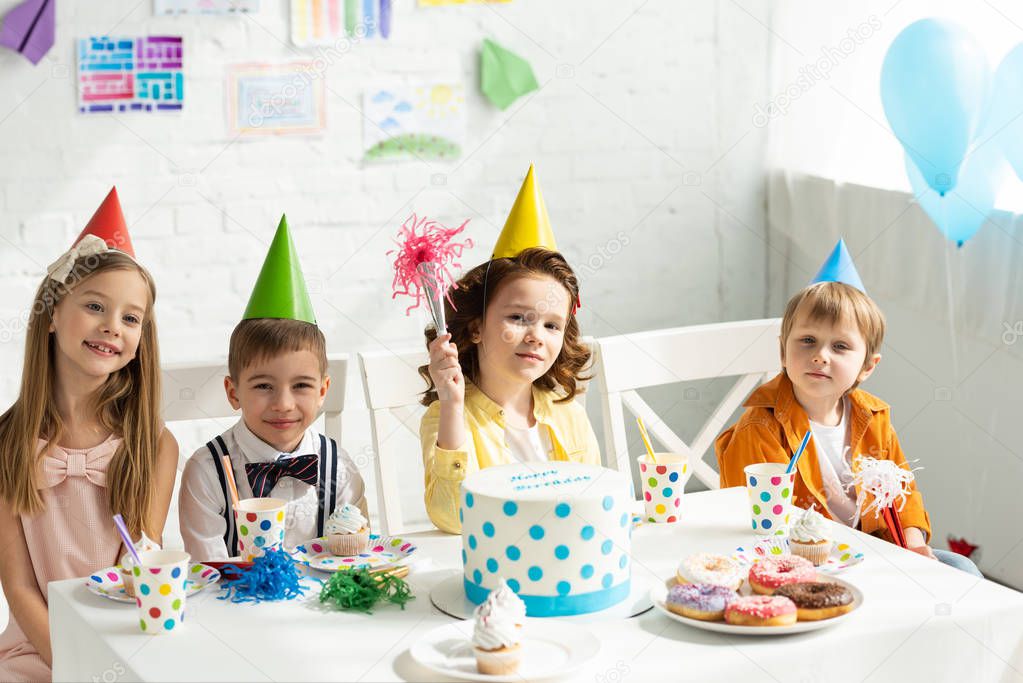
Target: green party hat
x,y
280,290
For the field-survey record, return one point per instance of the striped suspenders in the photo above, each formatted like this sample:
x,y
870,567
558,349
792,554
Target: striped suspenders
x,y
218,448
326,488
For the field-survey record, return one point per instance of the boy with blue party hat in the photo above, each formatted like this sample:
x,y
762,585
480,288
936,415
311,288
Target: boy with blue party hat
x,y
277,364
831,336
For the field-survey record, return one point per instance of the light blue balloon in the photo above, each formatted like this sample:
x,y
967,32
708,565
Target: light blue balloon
x,y
935,83
961,212
1005,125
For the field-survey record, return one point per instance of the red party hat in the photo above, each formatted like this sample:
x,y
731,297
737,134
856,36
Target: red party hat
x,y
108,224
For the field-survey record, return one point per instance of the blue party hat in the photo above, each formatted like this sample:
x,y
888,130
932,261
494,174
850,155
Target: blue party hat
x,y
840,268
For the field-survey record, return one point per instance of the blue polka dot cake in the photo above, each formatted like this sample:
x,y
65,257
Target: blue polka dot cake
x,y
558,533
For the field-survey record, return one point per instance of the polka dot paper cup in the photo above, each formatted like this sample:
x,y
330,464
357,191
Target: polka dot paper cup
x,y
260,524
160,590
663,485
770,497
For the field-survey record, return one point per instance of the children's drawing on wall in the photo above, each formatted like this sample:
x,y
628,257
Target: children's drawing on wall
x,y
414,122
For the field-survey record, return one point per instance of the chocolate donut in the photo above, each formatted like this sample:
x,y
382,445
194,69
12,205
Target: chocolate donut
x,y
818,600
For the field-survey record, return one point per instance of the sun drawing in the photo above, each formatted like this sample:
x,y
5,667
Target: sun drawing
x,y
439,100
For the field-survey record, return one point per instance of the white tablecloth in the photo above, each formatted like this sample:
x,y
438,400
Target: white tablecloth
x,y
920,621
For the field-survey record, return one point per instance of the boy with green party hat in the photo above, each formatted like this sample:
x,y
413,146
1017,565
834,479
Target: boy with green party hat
x,y
277,364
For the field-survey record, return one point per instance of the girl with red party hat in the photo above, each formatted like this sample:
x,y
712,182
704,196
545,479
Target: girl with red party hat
x,y
84,440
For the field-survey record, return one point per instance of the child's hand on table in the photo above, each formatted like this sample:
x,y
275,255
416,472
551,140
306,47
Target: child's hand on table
x,y
917,542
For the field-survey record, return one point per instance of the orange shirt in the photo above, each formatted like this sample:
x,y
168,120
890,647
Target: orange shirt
x,y
772,427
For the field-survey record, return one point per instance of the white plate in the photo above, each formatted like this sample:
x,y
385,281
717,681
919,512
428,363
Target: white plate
x,y
449,597
109,583
659,594
380,553
841,558
549,649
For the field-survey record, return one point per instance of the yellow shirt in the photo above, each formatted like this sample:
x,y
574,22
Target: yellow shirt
x,y
571,435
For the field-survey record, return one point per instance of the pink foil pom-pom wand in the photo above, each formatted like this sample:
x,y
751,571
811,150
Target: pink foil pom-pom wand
x,y
422,267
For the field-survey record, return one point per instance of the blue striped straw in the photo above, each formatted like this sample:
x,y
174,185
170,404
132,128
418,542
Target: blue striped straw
x,y
799,452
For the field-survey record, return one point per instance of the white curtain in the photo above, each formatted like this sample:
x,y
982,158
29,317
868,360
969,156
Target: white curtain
x,y
951,373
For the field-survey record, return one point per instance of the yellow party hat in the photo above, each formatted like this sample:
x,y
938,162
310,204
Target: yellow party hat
x,y
528,224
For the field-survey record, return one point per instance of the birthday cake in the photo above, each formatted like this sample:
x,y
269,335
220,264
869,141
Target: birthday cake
x,y
558,533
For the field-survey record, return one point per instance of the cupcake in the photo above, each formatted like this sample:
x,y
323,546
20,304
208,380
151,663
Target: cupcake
x,y
347,531
809,537
497,633
128,562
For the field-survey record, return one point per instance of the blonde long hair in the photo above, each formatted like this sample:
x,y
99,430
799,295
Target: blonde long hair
x,y
127,404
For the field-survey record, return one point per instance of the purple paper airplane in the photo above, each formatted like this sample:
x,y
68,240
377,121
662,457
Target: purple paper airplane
x,y
29,28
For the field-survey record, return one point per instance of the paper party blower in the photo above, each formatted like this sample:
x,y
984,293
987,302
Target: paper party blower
x,y
840,268
280,290
504,76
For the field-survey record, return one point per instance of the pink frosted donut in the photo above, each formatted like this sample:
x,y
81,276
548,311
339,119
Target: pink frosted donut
x,y
761,610
770,573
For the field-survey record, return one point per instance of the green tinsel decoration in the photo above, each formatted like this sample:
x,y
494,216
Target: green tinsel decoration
x,y
358,589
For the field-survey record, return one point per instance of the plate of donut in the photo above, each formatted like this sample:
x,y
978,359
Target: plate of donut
x,y
812,610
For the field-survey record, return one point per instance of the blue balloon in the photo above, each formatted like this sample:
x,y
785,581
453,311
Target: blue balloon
x,y
935,83
961,212
1005,125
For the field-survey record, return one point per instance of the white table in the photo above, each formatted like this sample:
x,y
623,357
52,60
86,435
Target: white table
x,y
920,621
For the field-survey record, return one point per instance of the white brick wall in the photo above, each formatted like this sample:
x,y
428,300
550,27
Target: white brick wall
x,y
634,131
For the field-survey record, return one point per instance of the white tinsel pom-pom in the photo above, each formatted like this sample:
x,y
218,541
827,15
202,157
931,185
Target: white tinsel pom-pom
x,y
884,480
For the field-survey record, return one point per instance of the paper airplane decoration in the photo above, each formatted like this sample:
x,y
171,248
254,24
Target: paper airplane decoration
x,y
29,28
504,76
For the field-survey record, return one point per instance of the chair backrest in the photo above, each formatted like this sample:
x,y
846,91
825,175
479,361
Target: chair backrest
x,y
629,362
393,391
195,391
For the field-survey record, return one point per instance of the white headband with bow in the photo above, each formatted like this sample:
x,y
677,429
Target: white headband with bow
x,y
90,245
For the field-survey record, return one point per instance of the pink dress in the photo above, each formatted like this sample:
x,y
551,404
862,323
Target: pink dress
x,y
74,536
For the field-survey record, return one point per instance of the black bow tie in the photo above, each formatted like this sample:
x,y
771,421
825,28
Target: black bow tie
x,y
263,476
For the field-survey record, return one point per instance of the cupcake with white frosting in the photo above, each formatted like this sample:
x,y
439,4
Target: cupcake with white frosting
x,y
497,635
347,531
810,537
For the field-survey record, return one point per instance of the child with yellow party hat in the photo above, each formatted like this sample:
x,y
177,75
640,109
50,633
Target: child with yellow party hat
x,y
277,365
502,380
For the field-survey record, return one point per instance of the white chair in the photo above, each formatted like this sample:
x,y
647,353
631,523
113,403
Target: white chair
x,y
195,391
630,362
393,389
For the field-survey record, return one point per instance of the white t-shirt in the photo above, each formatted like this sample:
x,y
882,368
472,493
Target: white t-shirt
x,y
836,470
530,444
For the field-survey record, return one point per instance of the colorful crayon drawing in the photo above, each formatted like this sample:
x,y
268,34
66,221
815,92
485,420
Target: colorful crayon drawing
x,y
275,99
327,22
414,122
118,74
444,3
204,6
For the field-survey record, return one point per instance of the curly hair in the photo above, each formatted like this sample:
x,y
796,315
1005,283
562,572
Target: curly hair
x,y
474,292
